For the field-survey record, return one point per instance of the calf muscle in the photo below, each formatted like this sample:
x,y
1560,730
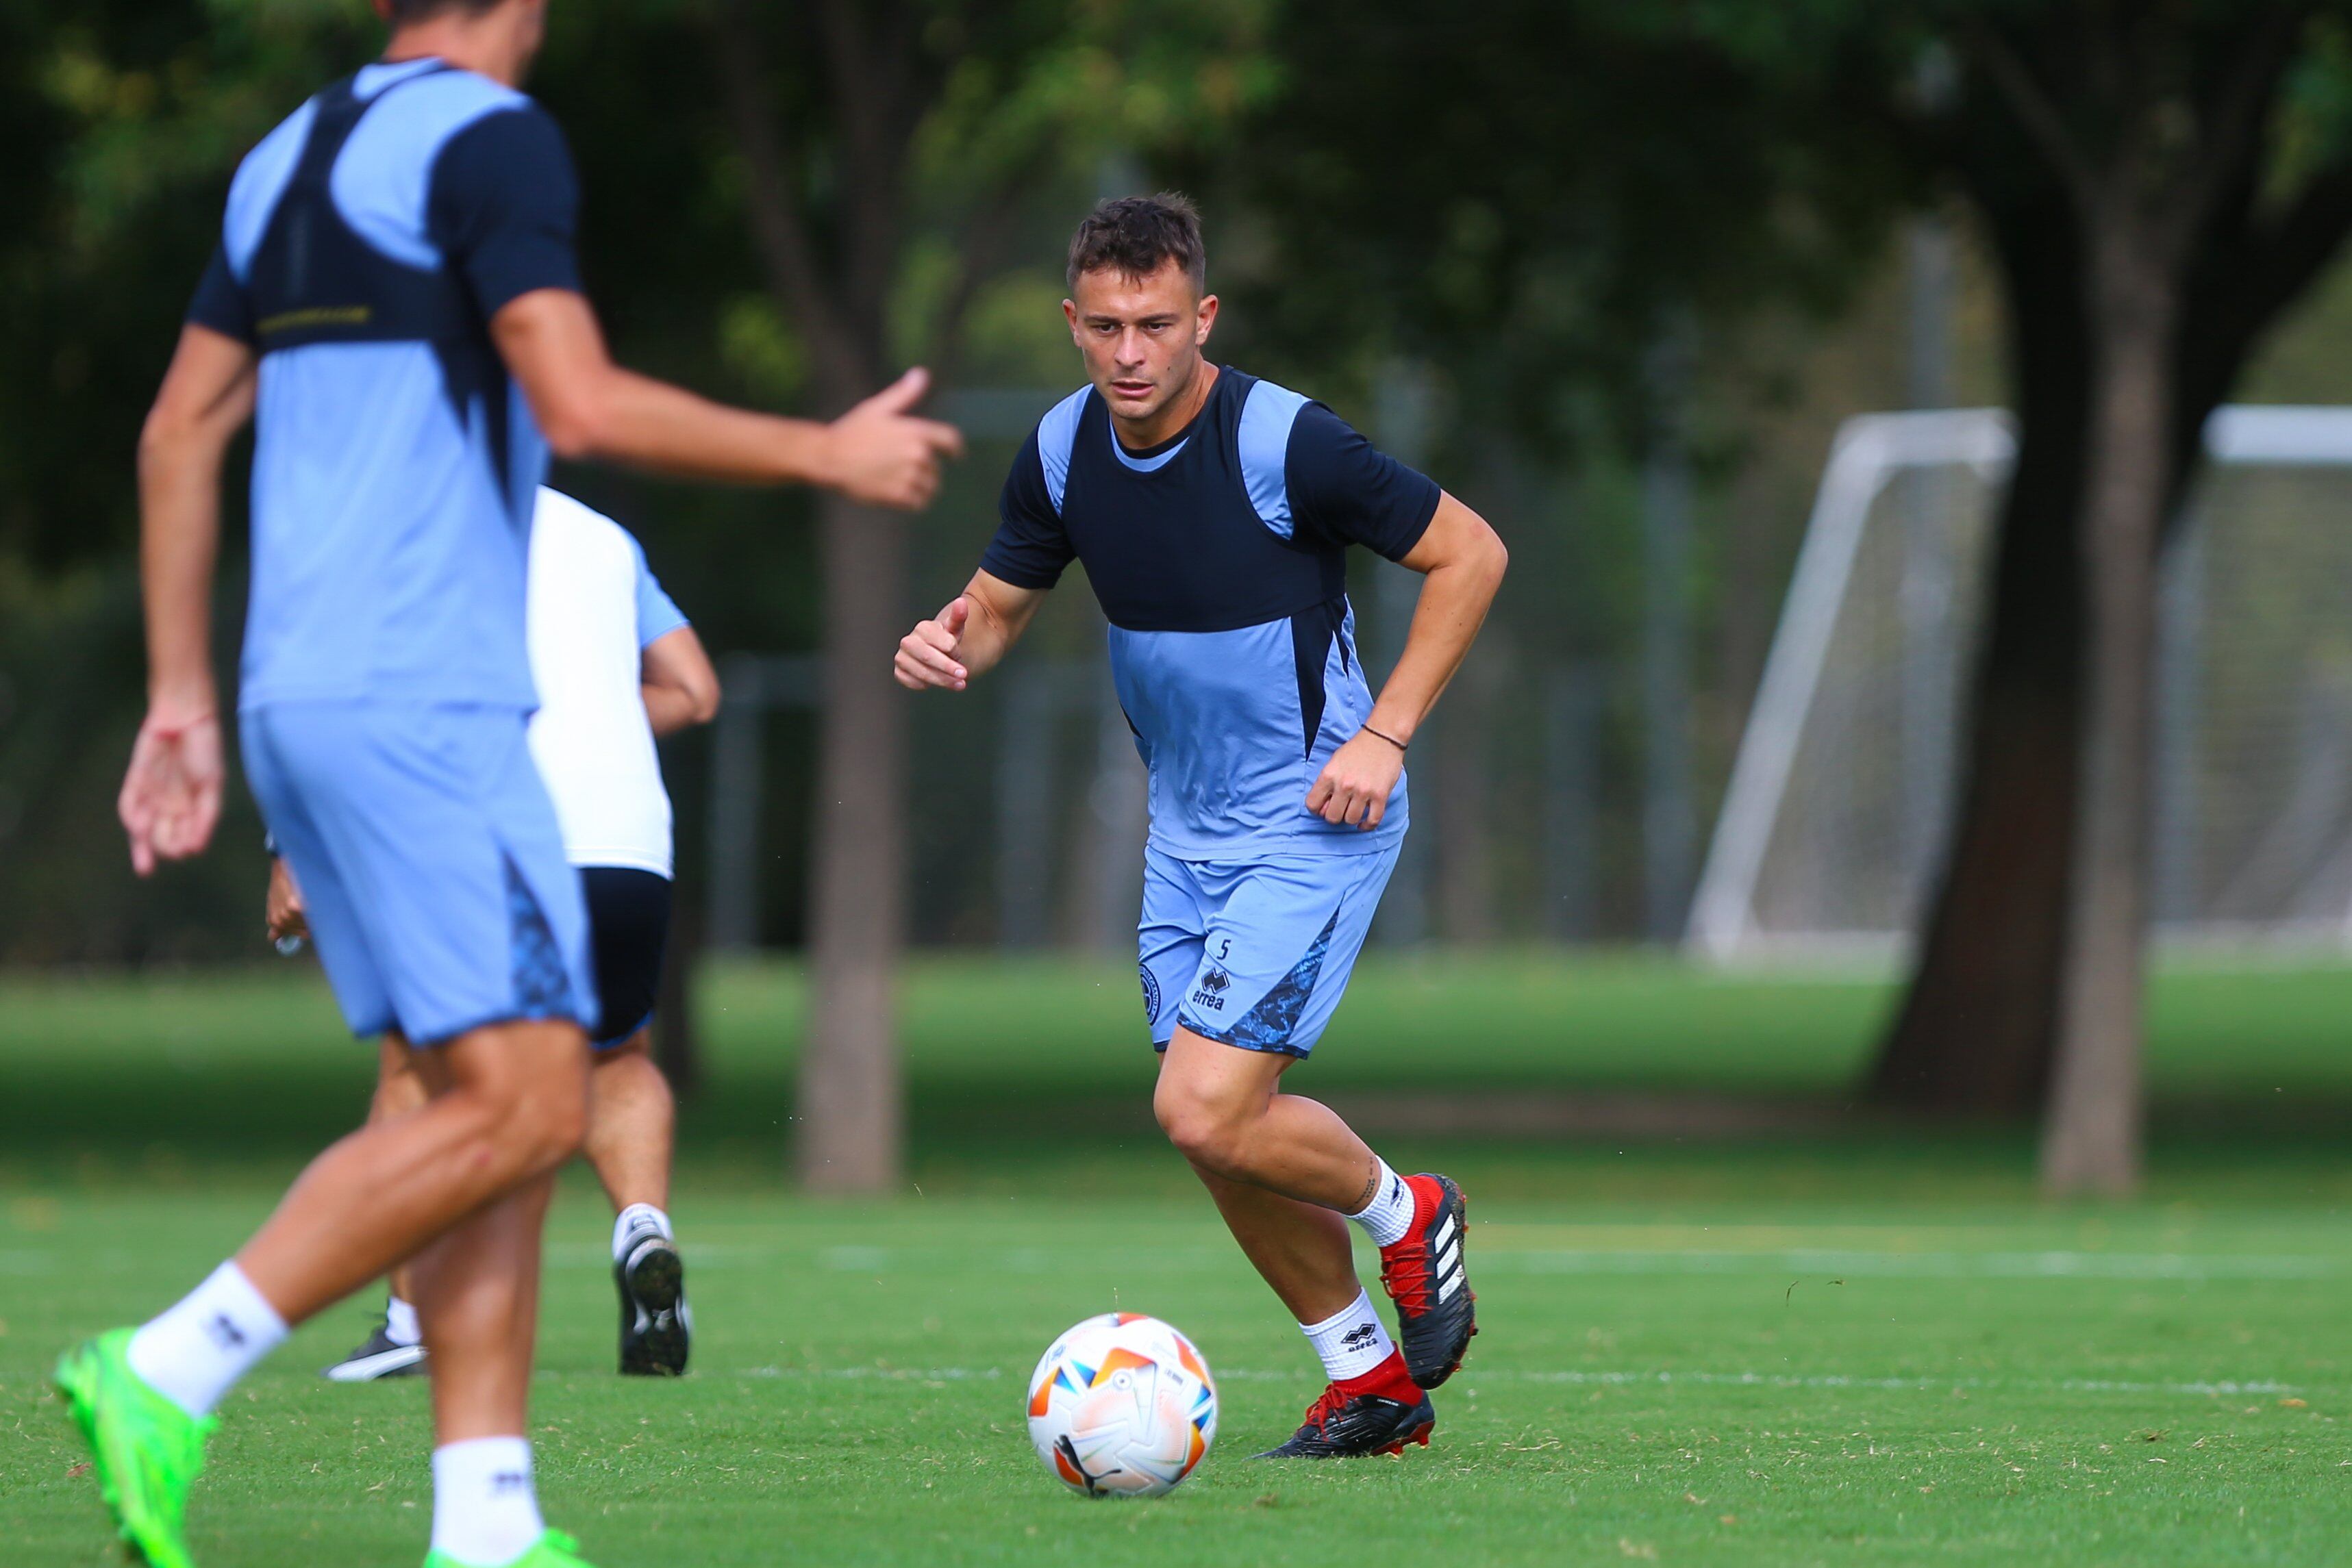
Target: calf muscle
x,y
508,1105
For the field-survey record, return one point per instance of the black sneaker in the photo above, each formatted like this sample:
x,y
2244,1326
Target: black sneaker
x,y
1340,1425
1426,1275
378,1359
655,1325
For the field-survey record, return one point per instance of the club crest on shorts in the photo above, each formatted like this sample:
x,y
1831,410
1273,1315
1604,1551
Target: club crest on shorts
x,y
1150,993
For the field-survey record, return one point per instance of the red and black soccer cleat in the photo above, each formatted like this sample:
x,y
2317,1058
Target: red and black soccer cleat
x,y
1424,1274
1378,1413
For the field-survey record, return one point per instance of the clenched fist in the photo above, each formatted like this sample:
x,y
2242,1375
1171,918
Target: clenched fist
x,y
1355,785
928,656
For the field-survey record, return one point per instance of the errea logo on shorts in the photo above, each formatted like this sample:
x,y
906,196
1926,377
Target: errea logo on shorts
x,y
1211,992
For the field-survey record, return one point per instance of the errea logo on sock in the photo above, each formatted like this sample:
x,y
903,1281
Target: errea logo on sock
x,y
1362,1336
509,1481
225,1332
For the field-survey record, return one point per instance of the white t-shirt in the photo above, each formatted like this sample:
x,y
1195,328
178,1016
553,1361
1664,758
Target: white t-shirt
x,y
594,607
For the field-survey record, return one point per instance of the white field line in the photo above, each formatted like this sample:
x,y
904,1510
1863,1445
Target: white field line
x,y
1792,1261
1802,1261
1620,1379
2045,1265
1913,1384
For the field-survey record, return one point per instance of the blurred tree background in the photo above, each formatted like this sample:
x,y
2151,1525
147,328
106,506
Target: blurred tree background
x,y
1612,272
1506,295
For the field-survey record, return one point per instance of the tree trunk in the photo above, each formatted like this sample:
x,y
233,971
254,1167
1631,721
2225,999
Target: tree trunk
x,y
1976,1027
2091,1141
851,1132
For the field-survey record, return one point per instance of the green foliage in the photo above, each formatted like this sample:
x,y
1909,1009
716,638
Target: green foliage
x,y
1526,193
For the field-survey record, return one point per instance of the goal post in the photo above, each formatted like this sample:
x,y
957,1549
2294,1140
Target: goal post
x,y
1834,826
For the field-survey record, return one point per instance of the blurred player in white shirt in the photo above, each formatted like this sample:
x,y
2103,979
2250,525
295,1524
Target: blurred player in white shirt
x,y
617,664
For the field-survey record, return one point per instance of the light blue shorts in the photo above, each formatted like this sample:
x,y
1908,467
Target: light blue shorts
x,y
1255,953
429,861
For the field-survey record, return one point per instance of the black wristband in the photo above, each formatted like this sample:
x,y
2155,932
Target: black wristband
x,y
1391,739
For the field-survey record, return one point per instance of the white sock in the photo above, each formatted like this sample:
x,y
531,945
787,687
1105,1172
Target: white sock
x,y
1390,1214
1353,1341
484,1509
194,1352
637,1216
400,1325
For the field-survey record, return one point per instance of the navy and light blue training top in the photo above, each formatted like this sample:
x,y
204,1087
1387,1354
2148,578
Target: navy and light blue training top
x,y
1219,558
369,240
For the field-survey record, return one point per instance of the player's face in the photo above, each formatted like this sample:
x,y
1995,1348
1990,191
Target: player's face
x,y
1142,336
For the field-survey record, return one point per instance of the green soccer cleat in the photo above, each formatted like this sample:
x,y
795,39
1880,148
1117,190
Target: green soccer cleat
x,y
552,1550
147,1450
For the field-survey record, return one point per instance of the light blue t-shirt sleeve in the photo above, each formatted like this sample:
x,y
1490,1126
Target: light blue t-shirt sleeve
x,y
657,614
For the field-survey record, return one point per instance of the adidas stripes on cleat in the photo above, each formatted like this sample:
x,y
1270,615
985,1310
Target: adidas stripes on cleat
x,y
656,1329
380,1357
1425,1275
1378,1413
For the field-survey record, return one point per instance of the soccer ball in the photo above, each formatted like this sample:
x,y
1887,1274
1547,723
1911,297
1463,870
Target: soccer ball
x,y
1122,1406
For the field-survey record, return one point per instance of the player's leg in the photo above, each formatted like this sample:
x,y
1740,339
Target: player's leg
x,y
1280,939
1223,1109
633,1117
476,1293
632,1124
144,1398
433,869
396,1347
516,1112
1300,1249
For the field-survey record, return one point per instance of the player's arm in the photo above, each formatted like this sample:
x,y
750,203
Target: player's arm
x,y
968,637
681,689
590,408
1460,562
171,794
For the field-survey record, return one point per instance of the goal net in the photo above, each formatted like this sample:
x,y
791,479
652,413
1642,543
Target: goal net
x,y
1834,827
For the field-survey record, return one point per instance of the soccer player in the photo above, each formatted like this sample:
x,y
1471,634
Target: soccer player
x,y
395,303
616,665
1213,512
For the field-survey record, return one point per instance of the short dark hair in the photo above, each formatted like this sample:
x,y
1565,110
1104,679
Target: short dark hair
x,y
1137,234
406,12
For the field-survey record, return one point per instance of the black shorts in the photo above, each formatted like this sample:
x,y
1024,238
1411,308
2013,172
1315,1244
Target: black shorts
x,y
628,926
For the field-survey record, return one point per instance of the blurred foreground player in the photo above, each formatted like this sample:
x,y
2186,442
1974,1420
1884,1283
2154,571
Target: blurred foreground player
x,y
616,665
395,302
1213,512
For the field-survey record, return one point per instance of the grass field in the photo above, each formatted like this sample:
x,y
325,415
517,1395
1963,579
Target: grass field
x,y
1869,1346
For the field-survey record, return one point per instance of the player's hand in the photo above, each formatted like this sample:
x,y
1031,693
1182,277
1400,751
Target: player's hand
x,y
885,457
1355,785
928,656
283,909
171,797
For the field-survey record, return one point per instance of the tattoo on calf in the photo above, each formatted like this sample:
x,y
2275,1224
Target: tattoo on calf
x,y
1371,1189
